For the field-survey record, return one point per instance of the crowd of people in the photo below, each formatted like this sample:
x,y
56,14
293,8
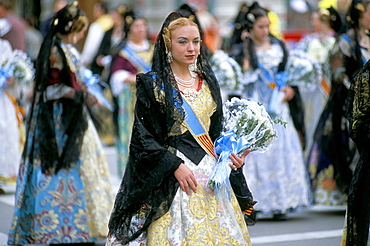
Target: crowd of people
x,y
160,102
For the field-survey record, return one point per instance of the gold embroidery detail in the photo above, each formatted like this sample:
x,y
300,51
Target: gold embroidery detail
x,y
206,230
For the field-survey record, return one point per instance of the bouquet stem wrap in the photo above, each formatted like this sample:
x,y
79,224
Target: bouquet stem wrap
x,y
224,146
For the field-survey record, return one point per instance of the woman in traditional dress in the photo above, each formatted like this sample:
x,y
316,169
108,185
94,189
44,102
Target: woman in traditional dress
x,y
318,46
358,113
277,177
11,119
164,198
333,152
63,193
134,57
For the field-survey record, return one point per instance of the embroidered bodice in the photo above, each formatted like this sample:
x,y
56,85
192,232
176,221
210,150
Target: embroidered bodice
x,y
203,106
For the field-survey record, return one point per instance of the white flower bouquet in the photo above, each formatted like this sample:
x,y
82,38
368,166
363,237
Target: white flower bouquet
x,y
227,70
304,71
247,125
20,67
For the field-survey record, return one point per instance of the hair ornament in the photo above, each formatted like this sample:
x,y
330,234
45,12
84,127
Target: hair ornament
x,y
191,17
360,7
73,9
167,39
68,26
56,21
324,12
251,17
129,20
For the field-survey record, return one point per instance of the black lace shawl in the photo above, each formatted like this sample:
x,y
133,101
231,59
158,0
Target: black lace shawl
x,y
73,119
358,114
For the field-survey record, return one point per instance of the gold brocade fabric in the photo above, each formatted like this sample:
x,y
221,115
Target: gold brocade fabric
x,y
99,198
361,102
200,218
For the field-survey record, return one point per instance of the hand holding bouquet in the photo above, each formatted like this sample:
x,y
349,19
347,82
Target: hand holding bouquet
x,y
246,125
94,86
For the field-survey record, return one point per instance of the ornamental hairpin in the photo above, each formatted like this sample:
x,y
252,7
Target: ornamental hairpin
x,y
360,7
167,39
251,17
73,9
129,19
191,17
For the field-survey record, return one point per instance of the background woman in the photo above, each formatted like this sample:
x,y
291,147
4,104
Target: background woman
x,y
332,144
318,46
63,190
277,177
11,120
164,197
134,57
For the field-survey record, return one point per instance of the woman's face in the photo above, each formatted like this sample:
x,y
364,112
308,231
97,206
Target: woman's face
x,y
261,28
185,45
365,19
138,30
315,21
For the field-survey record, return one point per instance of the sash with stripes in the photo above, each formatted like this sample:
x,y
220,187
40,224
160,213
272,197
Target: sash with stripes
x,y
137,61
197,130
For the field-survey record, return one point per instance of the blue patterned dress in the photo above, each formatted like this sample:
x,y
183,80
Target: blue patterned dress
x,y
73,205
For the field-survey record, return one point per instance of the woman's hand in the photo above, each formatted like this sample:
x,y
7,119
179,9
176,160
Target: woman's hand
x,y
289,93
131,79
83,87
238,162
90,100
186,178
10,81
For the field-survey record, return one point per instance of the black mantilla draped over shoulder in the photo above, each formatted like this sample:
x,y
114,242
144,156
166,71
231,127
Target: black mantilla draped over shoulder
x,y
149,185
358,115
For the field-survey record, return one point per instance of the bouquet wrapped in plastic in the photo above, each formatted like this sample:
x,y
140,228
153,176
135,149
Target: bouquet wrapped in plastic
x,y
18,66
303,70
227,71
246,125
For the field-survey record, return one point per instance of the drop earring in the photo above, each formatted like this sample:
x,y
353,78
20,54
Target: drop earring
x,y
169,57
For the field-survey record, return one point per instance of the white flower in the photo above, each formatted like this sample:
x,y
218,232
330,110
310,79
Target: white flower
x,y
226,69
21,67
246,125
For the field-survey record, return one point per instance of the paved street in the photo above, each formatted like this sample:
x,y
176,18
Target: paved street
x,y
317,226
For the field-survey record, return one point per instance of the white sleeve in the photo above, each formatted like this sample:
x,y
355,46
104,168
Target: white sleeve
x,y
117,81
56,91
92,43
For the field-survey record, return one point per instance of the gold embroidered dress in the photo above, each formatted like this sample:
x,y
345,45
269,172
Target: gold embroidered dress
x,y
199,218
